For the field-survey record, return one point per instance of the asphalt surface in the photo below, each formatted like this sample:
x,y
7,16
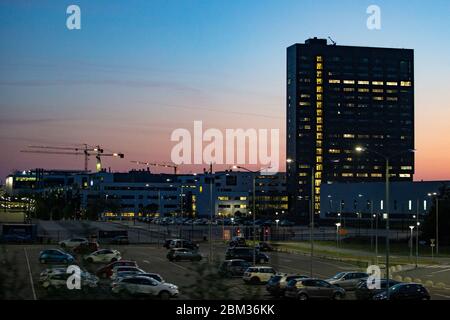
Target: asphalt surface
x,y
195,280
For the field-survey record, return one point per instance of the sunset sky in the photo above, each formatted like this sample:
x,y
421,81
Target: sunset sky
x,y
137,70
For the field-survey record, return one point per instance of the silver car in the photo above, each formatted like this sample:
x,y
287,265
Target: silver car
x,y
347,280
141,285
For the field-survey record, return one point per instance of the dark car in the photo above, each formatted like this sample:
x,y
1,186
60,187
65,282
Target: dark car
x,y
237,242
264,246
167,243
120,240
233,268
55,256
362,291
106,271
246,254
179,254
305,289
86,248
277,284
405,291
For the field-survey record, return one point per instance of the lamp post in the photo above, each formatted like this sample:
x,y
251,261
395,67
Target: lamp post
x,y
311,220
417,244
253,209
437,220
411,239
386,158
376,237
338,225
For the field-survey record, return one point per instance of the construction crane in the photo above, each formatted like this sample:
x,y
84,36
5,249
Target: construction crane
x,y
148,164
85,151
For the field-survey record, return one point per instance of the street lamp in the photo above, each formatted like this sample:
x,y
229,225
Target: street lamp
x,y
253,209
311,220
338,225
386,158
411,242
437,220
375,216
417,244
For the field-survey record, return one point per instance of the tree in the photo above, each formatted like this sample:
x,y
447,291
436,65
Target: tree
x,y
429,224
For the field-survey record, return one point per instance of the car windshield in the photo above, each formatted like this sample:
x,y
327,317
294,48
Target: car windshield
x,y
339,275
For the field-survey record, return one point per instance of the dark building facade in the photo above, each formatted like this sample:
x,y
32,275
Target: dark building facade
x,y
340,97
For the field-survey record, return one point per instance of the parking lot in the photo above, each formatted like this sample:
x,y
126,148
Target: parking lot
x,y
196,280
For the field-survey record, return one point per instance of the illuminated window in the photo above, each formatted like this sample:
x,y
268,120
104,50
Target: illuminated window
x,y
349,136
317,206
319,136
363,82
307,127
391,83
319,120
378,98
319,167
319,151
376,175
405,175
319,143
305,96
377,83
319,74
319,105
319,80
362,175
362,90
349,89
242,198
302,174
334,81
378,90
391,98
318,175
317,182
319,66
346,174
406,167
317,190
319,113
349,81
334,151
319,58
319,89
319,159
319,128
405,83
319,97
223,198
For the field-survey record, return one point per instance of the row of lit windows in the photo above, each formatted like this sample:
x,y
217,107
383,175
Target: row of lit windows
x,y
373,175
319,104
376,83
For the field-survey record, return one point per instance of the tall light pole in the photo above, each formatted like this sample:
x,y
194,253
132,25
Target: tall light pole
x,y
254,207
437,220
338,225
386,158
411,239
311,218
417,243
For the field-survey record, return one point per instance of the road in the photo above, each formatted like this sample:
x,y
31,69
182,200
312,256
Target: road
x,y
195,280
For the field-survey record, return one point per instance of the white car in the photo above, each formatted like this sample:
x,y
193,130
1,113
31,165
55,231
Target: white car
x,y
58,280
103,256
257,274
124,271
141,285
51,271
72,243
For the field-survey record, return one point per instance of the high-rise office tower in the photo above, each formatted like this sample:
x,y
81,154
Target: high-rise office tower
x,y
340,97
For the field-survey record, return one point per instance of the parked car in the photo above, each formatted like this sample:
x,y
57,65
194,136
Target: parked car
x,y
237,241
86,248
52,270
347,280
276,285
246,253
58,280
55,256
103,256
178,254
259,274
74,242
362,291
155,276
120,240
141,285
106,271
264,246
124,271
181,243
233,268
405,291
304,289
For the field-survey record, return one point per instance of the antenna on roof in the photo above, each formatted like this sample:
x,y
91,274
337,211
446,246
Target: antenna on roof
x,y
332,41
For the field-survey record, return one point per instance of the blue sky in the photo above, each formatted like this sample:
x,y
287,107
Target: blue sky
x,y
139,69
